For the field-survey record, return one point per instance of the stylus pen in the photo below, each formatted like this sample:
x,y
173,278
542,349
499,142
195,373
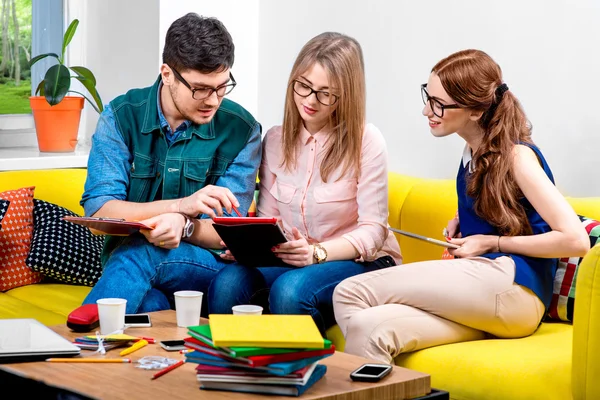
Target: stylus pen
x,y
236,210
169,368
90,360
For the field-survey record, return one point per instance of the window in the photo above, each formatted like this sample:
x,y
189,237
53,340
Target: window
x,y
28,28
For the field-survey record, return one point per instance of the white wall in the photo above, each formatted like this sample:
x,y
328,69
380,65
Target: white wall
x,y
241,19
119,45
548,50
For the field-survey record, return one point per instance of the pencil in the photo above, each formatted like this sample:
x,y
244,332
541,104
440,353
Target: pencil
x,y
169,368
236,210
90,360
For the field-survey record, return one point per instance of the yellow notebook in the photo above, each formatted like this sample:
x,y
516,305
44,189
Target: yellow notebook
x,y
270,330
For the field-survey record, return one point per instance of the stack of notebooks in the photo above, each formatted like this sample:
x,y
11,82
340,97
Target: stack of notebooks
x,y
271,354
90,342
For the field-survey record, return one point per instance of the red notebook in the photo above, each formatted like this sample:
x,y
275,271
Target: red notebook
x,y
258,361
108,226
250,239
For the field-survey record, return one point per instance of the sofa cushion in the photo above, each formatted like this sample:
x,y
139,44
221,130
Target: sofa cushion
x,y
563,297
534,368
57,298
61,250
15,239
3,209
11,307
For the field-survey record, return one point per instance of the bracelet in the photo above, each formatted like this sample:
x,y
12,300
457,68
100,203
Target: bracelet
x,y
499,244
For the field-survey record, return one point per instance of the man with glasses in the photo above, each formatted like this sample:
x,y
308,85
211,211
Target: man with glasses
x,y
172,156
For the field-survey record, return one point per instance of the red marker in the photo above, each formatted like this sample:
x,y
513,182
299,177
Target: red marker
x,y
169,368
236,210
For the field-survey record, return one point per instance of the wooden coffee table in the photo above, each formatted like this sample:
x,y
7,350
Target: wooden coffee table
x,y
125,381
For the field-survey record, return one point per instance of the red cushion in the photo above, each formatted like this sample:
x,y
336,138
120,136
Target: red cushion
x,y
15,240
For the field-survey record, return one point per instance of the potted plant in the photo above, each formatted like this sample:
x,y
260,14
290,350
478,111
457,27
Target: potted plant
x,y
55,114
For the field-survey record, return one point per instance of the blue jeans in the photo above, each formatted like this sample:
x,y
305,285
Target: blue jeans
x,y
147,275
286,290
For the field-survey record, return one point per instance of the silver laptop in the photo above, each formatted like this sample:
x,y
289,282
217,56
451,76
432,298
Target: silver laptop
x,y
29,340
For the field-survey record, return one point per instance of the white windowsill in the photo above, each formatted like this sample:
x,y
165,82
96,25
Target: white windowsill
x,y
28,158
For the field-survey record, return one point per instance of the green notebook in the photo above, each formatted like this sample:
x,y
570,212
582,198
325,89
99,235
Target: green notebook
x,y
202,333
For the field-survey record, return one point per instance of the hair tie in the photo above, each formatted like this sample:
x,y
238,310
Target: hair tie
x,y
500,90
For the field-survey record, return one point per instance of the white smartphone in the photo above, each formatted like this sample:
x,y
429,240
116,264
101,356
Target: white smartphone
x,y
370,372
137,321
172,345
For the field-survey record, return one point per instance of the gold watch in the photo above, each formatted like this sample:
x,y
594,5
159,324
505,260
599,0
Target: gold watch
x,y
319,253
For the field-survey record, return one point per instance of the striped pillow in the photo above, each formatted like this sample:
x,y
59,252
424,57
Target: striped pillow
x,y
563,297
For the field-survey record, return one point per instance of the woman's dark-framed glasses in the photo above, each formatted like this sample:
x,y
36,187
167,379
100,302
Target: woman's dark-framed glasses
x,y
324,97
436,106
205,92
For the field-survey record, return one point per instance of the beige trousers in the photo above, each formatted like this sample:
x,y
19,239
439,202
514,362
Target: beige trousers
x,y
414,306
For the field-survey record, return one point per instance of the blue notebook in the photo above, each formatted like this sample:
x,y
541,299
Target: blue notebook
x,y
284,390
279,369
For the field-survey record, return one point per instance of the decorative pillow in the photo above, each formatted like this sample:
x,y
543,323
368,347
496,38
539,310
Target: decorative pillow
x,y
3,209
15,239
563,297
64,251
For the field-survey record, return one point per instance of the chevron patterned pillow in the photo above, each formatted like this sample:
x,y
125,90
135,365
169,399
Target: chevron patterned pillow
x,y
563,297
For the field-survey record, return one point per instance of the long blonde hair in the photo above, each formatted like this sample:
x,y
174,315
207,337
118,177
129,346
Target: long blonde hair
x,y
341,57
473,79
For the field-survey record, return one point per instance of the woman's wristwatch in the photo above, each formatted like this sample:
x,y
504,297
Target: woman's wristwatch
x,y
319,253
188,228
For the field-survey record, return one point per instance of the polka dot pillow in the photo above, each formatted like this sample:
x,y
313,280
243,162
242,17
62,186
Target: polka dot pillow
x,y
563,297
66,252
15,239
3,209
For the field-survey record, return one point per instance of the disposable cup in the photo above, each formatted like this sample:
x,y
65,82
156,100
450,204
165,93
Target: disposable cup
x,y
188,304
111,313
247,309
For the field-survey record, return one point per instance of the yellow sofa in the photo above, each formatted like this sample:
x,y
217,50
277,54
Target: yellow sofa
x,y
557,362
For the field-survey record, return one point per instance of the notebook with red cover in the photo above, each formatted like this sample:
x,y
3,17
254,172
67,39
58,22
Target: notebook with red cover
x,y
250,239
108,226
257,361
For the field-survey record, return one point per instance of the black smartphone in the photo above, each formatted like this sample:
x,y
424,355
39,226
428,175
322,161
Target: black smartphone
x,y
137,320
370,372
172,345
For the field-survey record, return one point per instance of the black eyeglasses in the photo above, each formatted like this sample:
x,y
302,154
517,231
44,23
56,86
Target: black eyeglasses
x,y
206,92
323,97
436,106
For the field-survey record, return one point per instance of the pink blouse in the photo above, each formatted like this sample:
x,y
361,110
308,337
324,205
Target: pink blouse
x,y
355,209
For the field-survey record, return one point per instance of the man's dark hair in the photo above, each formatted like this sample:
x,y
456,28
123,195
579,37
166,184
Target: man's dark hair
x,y
198,43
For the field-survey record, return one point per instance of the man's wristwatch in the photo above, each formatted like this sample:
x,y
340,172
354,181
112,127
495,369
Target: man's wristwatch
x,y
188,228
319,253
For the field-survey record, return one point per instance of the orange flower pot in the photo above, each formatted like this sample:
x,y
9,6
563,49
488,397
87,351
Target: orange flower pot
x,y
56,126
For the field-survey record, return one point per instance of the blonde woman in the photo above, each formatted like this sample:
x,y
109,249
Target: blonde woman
x,y
324,175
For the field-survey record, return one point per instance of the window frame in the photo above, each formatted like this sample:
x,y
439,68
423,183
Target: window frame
x,y
47,20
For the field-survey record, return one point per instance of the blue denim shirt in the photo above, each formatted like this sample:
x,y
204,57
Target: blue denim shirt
x,y
109,164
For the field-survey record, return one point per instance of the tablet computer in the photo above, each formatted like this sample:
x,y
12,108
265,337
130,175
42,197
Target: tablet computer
x,y
425,238
250,239
108,226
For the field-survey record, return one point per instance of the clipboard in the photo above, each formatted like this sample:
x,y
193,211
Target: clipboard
x,y
250,239
425,238
108,226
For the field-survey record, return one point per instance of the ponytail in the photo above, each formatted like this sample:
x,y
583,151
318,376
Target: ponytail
x,y
492,183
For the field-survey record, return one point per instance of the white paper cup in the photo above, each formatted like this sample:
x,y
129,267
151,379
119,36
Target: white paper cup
x,y
111,313
247,309
188,304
